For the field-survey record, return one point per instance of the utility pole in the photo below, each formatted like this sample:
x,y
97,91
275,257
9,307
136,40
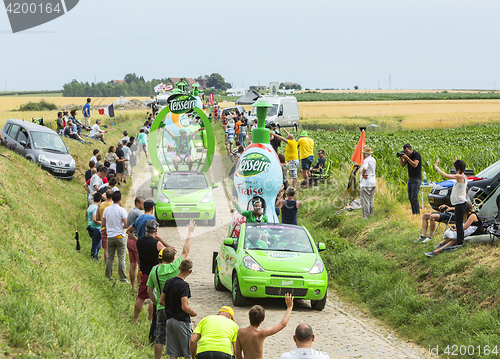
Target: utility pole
x,y
494,86
389,81
379,84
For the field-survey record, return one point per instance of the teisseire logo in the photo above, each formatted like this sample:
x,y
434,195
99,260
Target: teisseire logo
x,y
253,164
182,104
28,14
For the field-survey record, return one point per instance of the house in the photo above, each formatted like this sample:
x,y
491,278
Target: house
x,y
258,88
236,92
202,81
114,82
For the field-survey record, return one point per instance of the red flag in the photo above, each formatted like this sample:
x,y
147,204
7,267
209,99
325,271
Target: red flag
x,y
101,111
211,98
357,156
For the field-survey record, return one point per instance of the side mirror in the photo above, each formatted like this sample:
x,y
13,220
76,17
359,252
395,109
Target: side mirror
x,y
215,185
23,143
153,185
150,163
321,247
230,243
280,114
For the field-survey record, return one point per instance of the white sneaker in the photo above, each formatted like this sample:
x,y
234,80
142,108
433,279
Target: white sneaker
x,y
427,240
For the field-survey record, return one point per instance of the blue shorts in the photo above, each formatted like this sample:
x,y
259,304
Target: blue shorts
x,y
307,162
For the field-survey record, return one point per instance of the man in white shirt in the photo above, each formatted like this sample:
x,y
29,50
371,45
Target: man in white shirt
x,y
367,182
96,132
114,219
303,339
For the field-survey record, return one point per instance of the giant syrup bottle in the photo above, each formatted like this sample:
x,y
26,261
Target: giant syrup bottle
x,y
259,174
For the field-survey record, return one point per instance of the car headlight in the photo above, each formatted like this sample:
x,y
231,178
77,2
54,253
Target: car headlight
x,y
163,198
317,267
443,192
72,163
250,263
156,173
43,159
208,198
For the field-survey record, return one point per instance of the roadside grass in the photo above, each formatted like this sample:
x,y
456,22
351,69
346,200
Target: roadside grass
x,y
55,301
451,299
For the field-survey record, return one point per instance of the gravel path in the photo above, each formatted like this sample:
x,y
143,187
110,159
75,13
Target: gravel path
x,y
340,331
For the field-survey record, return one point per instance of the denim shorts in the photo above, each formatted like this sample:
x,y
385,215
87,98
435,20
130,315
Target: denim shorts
x,y
307,162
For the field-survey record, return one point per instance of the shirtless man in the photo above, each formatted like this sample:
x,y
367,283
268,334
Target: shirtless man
x,y
250,340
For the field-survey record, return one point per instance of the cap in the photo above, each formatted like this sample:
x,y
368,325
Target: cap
x,y
152,224
303,133
149,203
229,310
367,150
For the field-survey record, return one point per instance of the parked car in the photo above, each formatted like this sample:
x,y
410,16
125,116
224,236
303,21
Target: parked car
x,y
481,188
184,195
227,111
40,145
269,260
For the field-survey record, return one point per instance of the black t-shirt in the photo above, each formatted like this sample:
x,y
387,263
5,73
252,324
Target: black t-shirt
x,y
67,131
148,253
88,175
175,289
276,142
415,172
321,162
120,155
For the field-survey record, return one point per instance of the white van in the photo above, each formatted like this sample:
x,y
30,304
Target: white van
x,y
285,111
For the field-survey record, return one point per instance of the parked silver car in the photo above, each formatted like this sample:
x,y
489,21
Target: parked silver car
x,y
40,145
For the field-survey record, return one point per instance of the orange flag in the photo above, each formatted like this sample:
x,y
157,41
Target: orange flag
x,y
357,156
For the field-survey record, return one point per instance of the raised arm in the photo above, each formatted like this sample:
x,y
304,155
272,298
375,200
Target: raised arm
x,y
169,132
448,175
187,245
281,137
284,322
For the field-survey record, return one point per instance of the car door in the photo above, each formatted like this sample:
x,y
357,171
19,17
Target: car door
x,y
11,136
227,261
22,137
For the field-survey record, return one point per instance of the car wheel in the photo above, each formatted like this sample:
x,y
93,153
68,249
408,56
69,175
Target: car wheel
x,y
211,222
160,222
318,304
238,298
217,284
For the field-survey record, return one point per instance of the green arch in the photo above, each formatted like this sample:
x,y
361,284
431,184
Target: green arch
x,y
153,136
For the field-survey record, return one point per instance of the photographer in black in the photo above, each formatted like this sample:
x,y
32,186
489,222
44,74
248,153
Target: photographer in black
x,y
414,162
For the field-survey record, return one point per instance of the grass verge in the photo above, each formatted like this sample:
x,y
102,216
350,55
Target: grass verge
x,y
55,301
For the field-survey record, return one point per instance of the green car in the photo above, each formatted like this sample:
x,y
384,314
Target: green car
x,y
270,260
184,196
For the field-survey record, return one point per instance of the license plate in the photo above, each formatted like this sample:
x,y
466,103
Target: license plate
x,y
431,199
59,171
285,282
185,208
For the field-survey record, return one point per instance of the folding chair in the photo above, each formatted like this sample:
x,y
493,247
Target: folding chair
x,y
449,222
324,175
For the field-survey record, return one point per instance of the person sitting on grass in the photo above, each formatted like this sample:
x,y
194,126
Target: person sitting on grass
x,y
96,131
255,216
250,340
70,133
77,122
472,226
60,122
429,222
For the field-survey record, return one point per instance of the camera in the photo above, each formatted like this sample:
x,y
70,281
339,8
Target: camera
x,y
399,154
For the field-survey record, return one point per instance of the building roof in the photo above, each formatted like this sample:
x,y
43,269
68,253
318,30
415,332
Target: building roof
x,y
190,80
117,81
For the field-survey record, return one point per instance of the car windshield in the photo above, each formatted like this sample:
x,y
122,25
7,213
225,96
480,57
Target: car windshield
x,y
490,171
277,238
162,102
271,111
49,142
184,181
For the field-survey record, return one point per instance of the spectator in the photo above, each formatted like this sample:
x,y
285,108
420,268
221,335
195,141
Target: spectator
x,y
126,152
237,124
142,142
317,169
303,339
60,122
148,248
94,226
289,207
174,298
111,172
255,216
291,156
215,336
86,114
120,162
125,138
139,225
367,182
96,131
229,133
234,152
96,180
250,340
94,154
111,157
284,170
89,171
99,162
243,131
133,256
168,268
154,108
275,141
70,133
80,126
183,147
108,201
110,185
306,145
414,162
133,158
114,218
429,222
472,226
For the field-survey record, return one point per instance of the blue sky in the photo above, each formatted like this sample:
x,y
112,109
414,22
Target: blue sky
x,y
317,43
